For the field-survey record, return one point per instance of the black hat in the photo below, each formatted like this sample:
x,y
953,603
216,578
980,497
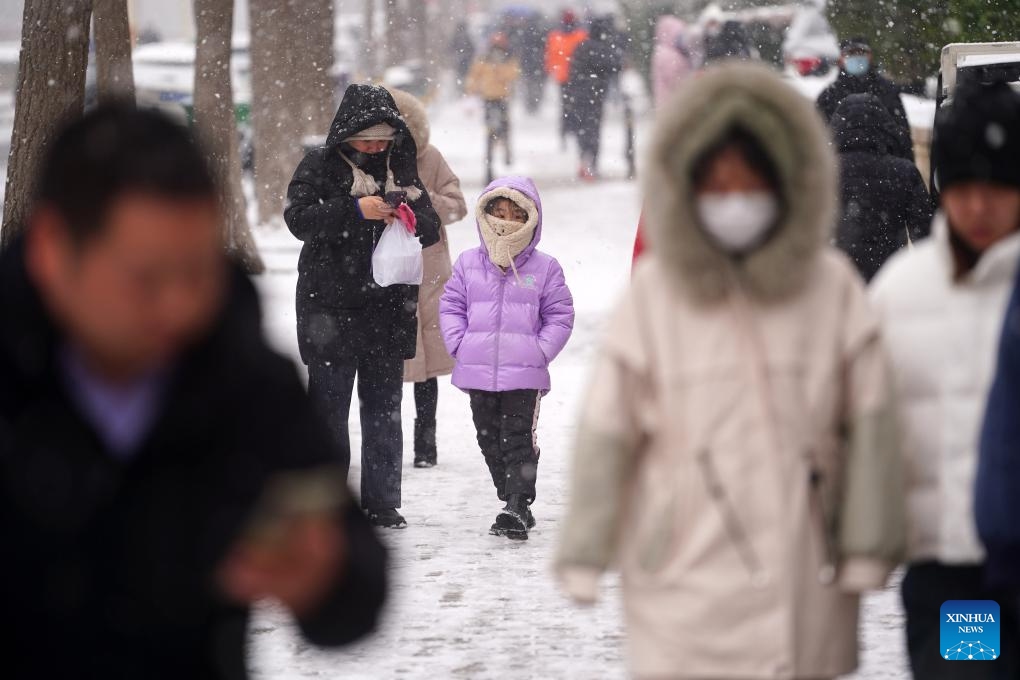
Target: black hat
x,y
977,137
856,44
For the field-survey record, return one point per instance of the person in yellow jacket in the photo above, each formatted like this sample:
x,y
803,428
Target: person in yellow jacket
x,y
492,77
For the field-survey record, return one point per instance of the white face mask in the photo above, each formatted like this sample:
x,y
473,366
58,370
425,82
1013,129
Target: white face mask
x,y
738,221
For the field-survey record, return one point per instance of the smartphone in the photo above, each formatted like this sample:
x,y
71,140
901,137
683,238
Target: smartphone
x,y
316,492
395,198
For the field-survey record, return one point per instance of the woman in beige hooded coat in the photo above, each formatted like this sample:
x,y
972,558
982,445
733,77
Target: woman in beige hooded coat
x,y
432,359
737,460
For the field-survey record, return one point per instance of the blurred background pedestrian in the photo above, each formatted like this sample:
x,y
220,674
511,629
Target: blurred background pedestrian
x,y
859,75
462,47
594,65
671,60
884,202
493,77
559,50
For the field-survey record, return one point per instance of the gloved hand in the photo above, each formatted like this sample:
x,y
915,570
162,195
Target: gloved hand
x,y
406,215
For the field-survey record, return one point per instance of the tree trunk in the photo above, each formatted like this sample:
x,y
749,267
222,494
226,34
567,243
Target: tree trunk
x,y
216,123
449,14
292,91
422,39
51,88
369,54
316,21
270,98
394,34
277,115
113,51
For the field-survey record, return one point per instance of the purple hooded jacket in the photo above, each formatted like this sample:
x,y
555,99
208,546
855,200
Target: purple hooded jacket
x,y
504,328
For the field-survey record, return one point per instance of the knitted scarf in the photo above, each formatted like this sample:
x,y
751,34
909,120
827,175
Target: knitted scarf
x,y
363,184
506,239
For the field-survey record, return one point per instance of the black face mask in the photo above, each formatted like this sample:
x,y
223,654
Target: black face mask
x,y
360,158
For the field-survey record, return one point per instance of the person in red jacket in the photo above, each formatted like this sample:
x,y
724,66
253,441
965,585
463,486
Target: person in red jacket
x,y
639,240
559,50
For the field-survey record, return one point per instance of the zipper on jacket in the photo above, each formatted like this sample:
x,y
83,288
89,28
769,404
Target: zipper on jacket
x,y
499,331
731,521
816,479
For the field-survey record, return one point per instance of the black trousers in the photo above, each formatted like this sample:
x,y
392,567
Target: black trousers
x,y
497,129
925,587
506,423
426,403
380,390
566,115
589,137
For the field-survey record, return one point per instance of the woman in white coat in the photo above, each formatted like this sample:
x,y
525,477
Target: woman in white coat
x,y
736,458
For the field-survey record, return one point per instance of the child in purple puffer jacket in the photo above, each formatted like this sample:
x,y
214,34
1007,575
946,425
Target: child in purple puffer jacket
x,y
505,315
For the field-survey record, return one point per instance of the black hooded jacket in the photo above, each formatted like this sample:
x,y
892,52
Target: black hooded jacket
x,y
870,83
341,312
109,566
594,64
883,194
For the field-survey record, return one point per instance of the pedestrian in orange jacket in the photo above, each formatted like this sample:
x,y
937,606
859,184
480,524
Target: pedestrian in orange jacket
x,y
559,50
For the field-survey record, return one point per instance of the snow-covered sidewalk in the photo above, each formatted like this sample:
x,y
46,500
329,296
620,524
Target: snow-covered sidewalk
x,y
465,604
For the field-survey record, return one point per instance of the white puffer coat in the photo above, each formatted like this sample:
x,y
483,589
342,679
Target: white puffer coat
x,y
942,335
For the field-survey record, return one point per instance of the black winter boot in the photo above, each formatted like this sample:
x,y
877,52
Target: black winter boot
x,y
426,402
426,452
513,520
388,518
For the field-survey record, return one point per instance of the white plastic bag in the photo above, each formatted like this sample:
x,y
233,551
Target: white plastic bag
x,y
397,258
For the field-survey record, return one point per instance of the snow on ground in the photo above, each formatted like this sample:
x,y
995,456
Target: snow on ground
x,y
920,111
465,604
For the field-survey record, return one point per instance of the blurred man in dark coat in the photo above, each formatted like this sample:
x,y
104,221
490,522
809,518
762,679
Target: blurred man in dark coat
x,y
160,467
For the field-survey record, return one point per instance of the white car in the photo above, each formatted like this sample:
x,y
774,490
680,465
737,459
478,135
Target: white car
x,y
984,62
981,62
166,71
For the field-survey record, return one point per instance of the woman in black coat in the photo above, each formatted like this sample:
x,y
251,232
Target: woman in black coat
x,y
594,64
884,199
347,325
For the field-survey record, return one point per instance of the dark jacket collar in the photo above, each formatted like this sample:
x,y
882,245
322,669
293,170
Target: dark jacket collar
x,y
30,340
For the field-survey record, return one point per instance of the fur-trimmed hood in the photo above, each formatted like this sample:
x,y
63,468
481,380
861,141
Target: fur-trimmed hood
x,y
790,131
415,115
